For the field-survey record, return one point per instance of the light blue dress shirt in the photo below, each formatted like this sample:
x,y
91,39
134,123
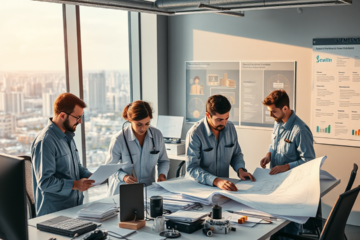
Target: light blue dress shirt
x,y
209,158
55,166
144,161
298,149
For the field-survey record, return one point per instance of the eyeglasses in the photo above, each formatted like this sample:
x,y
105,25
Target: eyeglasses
x,y
78,119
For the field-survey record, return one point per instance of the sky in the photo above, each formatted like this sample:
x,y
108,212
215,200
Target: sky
x,y
32,37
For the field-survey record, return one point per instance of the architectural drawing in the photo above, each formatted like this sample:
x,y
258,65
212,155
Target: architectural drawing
x,y
292,193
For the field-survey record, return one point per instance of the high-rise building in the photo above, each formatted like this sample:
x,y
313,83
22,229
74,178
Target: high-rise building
x,y
7,84
110,101
49,85
28,89
12,102
3,101
116,80
48,100
7,125
97,91
17,102
121,100
37,89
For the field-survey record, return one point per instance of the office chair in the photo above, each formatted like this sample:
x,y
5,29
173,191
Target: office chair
x,y
334,227
179,168
30,199
352,177
315,224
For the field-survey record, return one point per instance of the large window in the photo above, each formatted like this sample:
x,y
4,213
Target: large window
x,y
32,70
106,84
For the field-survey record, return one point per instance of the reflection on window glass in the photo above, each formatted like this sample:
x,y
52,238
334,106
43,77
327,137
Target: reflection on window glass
x,y
105,54
32,70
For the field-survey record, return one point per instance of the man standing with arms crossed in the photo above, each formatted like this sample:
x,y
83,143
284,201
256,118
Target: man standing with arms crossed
x,y
58,177
212,145
291,142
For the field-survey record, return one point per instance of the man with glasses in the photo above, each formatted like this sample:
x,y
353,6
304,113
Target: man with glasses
x,y
58,177
212,146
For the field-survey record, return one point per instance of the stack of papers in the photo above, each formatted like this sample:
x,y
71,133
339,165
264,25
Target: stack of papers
x,y
98,212
186,216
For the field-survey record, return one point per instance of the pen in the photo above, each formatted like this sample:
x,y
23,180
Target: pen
x,y
253,215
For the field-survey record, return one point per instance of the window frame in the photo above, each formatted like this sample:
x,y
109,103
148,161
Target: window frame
x,y
73,61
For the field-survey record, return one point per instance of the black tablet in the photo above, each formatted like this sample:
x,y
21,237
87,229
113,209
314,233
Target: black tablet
x,y
131,202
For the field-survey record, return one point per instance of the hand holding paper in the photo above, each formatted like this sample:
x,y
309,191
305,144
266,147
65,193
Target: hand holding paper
x,y
104,172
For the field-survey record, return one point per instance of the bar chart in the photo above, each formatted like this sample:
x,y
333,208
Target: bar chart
x,y
356,132
323,130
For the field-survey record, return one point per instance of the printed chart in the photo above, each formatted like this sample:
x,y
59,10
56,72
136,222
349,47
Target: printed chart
x,y
335,109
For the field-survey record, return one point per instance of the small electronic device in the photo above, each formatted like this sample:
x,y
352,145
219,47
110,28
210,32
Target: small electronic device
x,y
217,212
66,226
156,206
175,149
170,127
208,231
219,225
185,226
96,235
171,233
131,202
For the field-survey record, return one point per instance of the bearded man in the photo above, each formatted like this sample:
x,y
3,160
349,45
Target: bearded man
x,y
58,177
212,145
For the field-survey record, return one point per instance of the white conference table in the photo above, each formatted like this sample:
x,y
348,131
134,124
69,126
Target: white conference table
x,y
260,231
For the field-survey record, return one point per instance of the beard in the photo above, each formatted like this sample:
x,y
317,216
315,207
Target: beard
x,y
280,118
68,127
219,128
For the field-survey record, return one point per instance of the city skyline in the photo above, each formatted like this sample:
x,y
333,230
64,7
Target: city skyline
x,y
20,125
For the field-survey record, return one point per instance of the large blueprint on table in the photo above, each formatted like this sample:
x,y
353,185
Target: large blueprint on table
x,y
292,193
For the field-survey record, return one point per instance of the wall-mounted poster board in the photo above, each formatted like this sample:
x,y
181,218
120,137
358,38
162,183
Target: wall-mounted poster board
x,y
204,79
335,106
258,80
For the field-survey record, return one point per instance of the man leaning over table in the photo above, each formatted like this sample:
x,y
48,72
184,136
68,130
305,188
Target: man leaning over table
x,y
212,146
291,142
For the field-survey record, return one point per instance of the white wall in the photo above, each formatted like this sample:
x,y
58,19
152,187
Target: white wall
x,y
265,35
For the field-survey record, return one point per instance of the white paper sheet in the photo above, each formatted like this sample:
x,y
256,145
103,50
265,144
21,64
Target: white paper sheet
x,y
136,236
292,193
104,172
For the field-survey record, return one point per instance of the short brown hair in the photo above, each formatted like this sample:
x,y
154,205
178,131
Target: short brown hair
x,y
218,104
137,111
279,98
66,103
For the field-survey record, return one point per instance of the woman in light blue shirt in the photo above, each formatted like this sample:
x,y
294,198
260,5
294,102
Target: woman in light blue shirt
x,y
139,145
